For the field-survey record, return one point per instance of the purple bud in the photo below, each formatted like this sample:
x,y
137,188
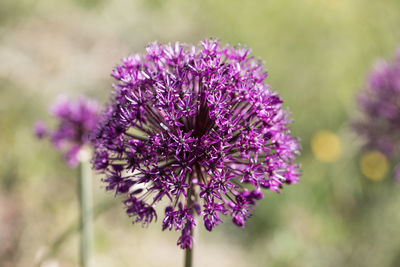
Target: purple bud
x,y
208,225
238,220
197,208
257,194
168,209
137,191
40,129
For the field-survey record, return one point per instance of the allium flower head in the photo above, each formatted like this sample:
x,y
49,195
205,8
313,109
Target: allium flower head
x,y
380,106
76,121
197,127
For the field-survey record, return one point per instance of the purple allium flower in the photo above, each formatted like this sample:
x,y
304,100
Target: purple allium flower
x,y
380,106
197,127
76,121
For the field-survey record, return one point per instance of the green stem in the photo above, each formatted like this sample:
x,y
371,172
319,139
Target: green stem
x,y
72,229
86,209
188,256
189,251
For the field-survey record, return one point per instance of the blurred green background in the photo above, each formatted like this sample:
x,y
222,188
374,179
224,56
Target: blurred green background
x,y
318,53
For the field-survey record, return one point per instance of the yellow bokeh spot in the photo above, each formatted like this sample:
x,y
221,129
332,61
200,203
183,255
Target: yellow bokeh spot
x,y
326,146
374,165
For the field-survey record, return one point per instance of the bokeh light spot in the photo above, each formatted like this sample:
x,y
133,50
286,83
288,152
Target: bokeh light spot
x,y
374,165
326,146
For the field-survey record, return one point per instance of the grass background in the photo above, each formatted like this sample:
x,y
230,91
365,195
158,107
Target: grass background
x,y
317,52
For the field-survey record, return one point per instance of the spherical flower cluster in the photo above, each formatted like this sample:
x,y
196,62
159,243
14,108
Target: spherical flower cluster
x,y
76,120
197,127
380,106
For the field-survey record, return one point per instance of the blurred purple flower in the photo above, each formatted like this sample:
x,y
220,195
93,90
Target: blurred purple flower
x,y
76,121
197,126
379,103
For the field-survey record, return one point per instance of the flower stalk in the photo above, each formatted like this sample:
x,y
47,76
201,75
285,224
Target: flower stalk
x,y
189,250
86,212
188,256
76,121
